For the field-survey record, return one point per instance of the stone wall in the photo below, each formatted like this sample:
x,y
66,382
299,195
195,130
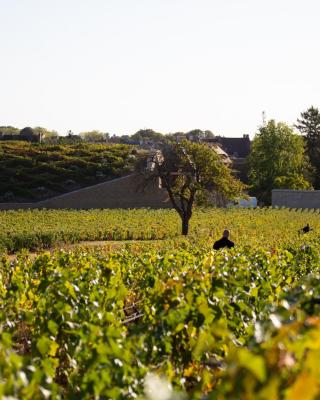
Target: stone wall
x,y
16,206
119,193
296,198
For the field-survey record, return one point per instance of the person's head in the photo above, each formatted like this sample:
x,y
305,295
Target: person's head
x,y
226,233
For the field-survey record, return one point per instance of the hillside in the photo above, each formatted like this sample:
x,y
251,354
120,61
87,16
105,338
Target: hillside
x,y
31,172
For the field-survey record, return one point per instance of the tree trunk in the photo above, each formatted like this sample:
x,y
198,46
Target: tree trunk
x,y
185,225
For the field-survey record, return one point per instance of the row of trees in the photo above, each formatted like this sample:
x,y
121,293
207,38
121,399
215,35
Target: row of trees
x,y
47,136
281,158
141,136
96,136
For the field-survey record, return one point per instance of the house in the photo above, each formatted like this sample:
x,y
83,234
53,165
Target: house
x,y
224,156
237,149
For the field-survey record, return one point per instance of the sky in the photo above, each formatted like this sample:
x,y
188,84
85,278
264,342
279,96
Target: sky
x,y
169,65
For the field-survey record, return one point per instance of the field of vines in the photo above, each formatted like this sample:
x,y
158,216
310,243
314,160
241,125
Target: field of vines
x,y
161,317
32,172
41,229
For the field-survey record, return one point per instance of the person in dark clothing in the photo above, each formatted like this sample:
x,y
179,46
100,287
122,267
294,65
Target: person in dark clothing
x,y
305,229
224,241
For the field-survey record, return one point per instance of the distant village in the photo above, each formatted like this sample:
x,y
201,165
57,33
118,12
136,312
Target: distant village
x,y
281,165
233,150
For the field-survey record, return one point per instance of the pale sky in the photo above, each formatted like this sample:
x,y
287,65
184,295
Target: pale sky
x,y
170,65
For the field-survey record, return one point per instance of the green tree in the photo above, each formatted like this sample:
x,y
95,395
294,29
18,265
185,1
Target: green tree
x,y
309,125
94,136
47,136
208,134
71,138
147,134
29,134
277,160
197,135
9,130
175,137
125,139
191,172
28,131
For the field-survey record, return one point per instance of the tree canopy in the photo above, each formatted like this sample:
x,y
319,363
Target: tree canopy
x,y
198,135
147,134
190,172
94,136
9,130
277,160
46,135
309,125
28,131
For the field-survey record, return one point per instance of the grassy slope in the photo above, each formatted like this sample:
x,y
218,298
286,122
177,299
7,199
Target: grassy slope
x,y
30,172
